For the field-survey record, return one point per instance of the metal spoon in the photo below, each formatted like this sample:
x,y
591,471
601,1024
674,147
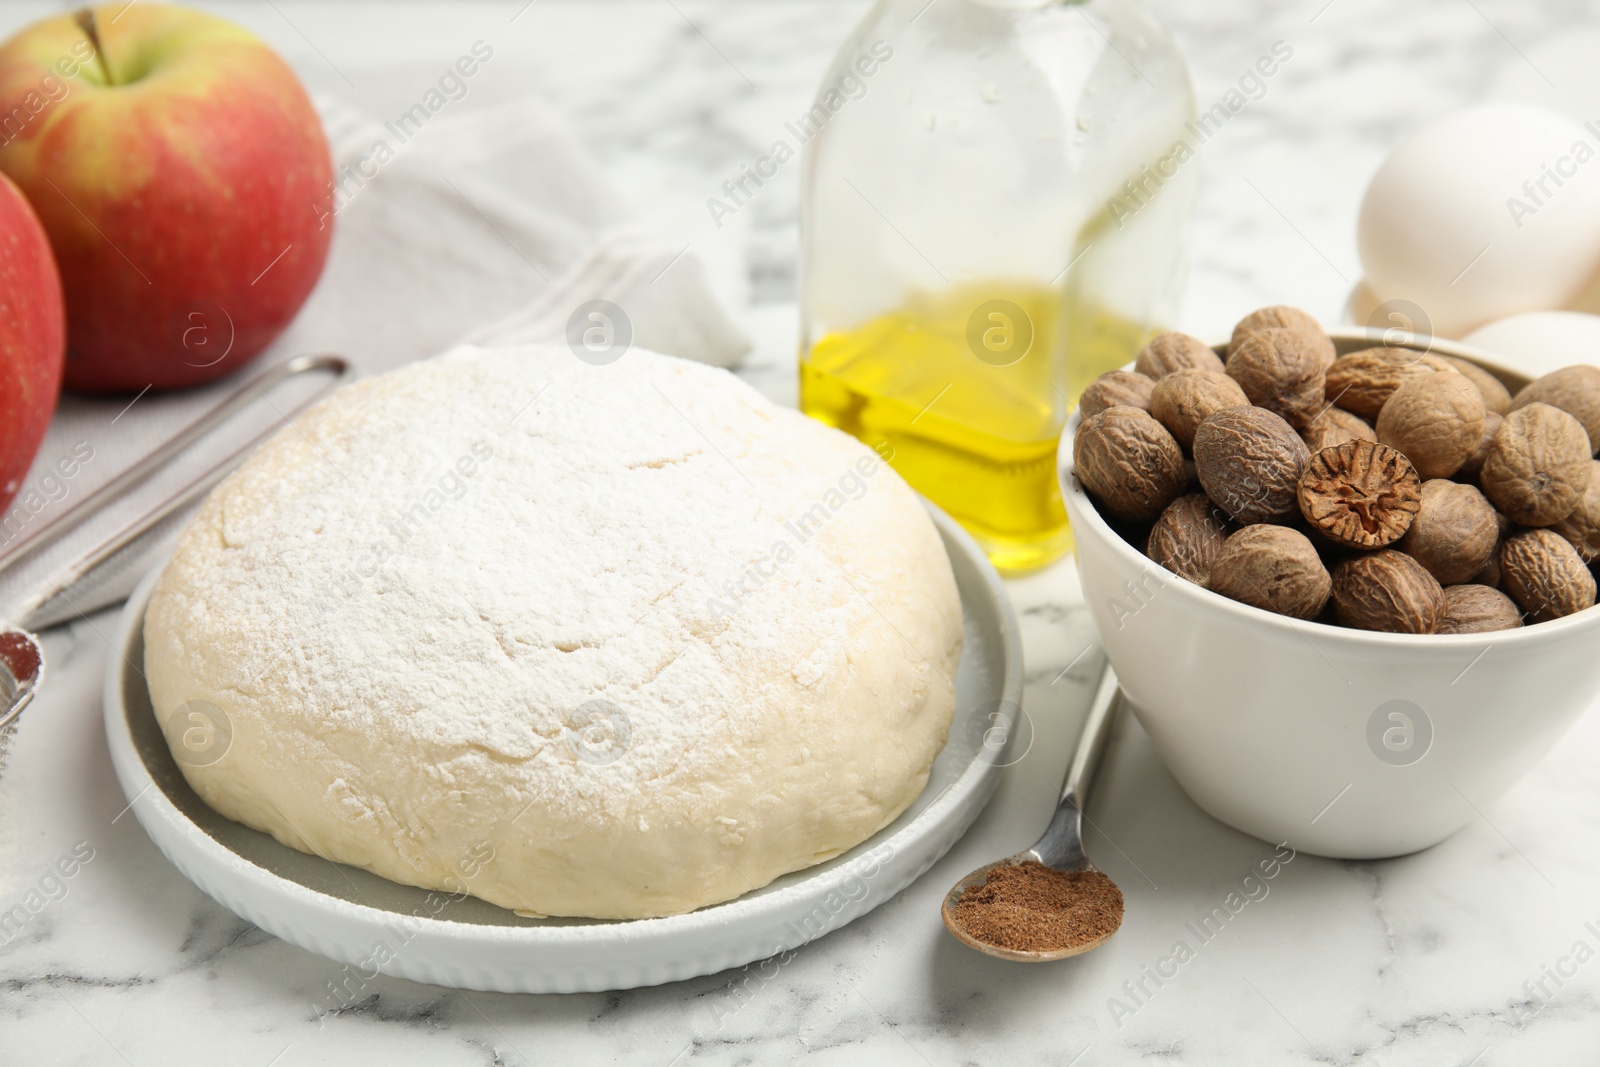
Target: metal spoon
x,y
21,670
1061,847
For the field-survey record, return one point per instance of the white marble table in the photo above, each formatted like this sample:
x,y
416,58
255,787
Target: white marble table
x,y
1447,957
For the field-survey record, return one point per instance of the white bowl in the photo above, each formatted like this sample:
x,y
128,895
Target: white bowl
x,y
1342,742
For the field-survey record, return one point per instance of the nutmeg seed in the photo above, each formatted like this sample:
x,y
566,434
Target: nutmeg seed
x,y
1335,426
1496,397
1249,462
1293,319
1542,572
1188,537
1182,399
1575,390
1130,462
1363,381
1477,609
1117,388
1454,534
1387,591
1436,420
1538,465
1280,371
1391,489
1175,351
1582,526
1273,568
1492,421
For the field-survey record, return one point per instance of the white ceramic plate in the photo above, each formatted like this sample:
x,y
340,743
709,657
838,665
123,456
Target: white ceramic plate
x,y
376,925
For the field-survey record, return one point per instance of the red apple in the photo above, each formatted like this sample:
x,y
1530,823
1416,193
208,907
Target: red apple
x,y
183,178
33,332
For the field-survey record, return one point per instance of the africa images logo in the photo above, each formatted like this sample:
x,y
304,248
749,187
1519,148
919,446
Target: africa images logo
x,y
1399,732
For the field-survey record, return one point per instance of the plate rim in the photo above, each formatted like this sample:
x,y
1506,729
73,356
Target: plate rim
x,y
976,780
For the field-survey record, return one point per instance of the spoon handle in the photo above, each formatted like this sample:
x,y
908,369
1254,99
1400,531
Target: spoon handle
x,y
1061,846
1091,742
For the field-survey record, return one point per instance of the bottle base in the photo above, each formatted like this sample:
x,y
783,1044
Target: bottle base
x,y
1015,557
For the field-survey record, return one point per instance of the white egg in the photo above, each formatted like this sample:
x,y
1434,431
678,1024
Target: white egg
x,y
1541,341
1488,212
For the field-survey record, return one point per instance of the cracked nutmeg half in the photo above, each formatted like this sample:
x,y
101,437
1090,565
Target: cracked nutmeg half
x,y
1360,494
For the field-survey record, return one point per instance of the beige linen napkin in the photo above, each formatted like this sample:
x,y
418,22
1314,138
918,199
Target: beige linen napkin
x,y
490,225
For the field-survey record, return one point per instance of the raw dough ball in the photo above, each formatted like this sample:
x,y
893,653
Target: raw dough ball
x,y
612,641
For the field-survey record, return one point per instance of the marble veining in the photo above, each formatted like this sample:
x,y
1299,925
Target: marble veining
x,y
1481,951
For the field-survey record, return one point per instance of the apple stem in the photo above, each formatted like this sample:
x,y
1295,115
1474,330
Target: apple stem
x,y
84,17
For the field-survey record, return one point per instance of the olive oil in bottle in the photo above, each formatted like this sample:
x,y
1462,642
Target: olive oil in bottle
x,y
977,437
982,237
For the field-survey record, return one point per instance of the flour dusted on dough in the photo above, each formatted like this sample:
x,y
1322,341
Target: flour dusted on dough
x,y
613,641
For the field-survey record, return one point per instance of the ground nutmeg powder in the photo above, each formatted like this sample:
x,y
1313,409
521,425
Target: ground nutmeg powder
x,y
1028,907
